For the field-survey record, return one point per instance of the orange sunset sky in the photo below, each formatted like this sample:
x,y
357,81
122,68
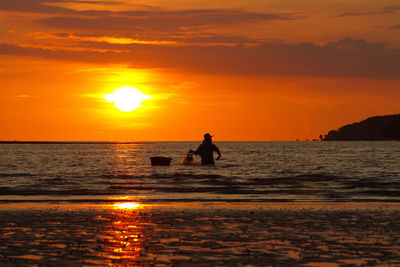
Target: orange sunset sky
x,y
241,70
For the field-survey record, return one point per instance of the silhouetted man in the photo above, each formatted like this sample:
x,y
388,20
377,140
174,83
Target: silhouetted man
x,y
206,150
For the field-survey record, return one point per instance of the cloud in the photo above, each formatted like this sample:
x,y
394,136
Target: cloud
x,y
158,21
395,26
344,58
32,6
382,11
93,2
79,55
100,40
391,9
143,17
53,7
144,25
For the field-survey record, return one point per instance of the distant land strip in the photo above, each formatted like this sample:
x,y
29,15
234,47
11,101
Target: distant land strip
x,y
73,142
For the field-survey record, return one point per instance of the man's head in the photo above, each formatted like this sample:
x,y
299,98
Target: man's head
x,y
208,137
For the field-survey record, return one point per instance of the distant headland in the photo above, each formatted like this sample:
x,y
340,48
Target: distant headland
x,y
71,142
376,128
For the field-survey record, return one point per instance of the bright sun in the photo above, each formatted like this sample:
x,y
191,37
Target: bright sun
x,y
126,98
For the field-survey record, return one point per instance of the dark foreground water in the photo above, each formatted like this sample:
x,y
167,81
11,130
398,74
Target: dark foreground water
x,y
198,236
248,172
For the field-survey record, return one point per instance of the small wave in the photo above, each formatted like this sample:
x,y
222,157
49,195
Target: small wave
x,y
17,174
185,175
298,179
119,176
231,180
175,175
378,192
169,189
371,183
44,192
226,166
52,181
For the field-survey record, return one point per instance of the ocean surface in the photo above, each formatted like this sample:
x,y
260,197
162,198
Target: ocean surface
x,y
257,172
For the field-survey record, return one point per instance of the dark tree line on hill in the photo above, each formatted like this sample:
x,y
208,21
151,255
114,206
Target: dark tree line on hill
x,y
372,129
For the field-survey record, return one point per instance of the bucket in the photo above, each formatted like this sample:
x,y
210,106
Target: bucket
x,y
188,159
160,161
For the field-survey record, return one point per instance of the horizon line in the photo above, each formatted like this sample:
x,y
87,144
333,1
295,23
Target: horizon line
x,y
133,142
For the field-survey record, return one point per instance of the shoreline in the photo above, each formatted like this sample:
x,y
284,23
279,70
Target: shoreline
x,y
238,205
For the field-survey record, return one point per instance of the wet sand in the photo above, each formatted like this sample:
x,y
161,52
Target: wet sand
x,y
201,235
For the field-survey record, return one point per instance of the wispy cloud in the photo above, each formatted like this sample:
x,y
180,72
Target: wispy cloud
x,y
106,39
382,11
159,21
32,6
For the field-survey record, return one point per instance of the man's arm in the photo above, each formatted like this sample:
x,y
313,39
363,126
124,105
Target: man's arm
x,y
216,149
198,151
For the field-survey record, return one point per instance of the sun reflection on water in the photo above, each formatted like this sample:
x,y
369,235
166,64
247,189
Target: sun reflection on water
x,y
124,238
127,205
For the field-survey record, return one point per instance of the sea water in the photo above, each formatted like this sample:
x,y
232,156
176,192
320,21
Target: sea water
x,y
259,172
